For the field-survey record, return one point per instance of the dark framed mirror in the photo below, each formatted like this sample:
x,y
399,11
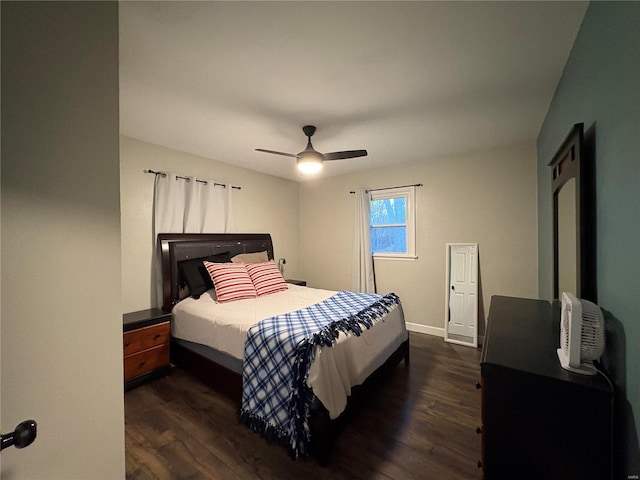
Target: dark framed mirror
x,y
569,221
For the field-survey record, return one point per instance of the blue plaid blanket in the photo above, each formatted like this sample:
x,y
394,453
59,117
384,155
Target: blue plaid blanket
x,y
277,356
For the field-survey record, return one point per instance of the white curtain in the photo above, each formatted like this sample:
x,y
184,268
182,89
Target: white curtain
x,y
208,207
186,205
169,204
362,269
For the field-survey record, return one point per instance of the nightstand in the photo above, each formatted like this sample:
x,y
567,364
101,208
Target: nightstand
x,y
146,345
302,283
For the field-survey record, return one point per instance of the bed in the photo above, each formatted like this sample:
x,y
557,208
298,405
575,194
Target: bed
x,y
331,370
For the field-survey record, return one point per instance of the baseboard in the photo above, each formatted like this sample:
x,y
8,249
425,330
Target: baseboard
x,y
435,331
419,328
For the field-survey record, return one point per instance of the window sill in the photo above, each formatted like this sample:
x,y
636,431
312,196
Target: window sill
x,y
405,258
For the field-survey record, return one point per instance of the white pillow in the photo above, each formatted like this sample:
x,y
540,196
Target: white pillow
x,y
256,257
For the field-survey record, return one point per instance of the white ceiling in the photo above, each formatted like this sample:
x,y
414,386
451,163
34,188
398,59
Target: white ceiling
x,y
405,80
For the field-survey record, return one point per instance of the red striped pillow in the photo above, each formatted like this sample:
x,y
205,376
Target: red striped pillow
x,y
266,277
231,281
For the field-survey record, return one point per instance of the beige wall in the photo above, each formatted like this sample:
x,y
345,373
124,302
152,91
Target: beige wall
x,y
488,198
266,204
61,332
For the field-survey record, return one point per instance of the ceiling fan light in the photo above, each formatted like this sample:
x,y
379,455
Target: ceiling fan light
x,y
310,163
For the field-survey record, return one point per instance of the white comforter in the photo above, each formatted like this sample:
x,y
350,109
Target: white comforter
x,y
224,326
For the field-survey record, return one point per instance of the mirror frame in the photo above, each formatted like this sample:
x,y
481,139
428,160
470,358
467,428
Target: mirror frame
x,y
565,165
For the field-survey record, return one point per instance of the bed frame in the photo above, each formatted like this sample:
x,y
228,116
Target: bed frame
x,y
177,247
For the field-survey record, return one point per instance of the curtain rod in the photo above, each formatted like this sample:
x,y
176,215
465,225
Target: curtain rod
x,y
215,184
389,188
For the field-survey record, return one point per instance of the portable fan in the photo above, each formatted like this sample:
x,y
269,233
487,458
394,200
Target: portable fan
x,y
581,335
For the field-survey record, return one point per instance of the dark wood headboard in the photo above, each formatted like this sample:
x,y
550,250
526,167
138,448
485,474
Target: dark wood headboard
x,y
175,247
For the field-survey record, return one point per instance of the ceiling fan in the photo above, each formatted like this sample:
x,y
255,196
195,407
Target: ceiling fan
x,y
310,160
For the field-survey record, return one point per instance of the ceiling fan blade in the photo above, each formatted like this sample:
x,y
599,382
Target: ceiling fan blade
x,y
277,153
345,154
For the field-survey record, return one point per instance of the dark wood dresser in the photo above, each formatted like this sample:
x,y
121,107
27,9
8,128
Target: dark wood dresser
x,y
539,421
146,345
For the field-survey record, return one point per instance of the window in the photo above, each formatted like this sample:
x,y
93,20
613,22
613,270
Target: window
x,y
392,223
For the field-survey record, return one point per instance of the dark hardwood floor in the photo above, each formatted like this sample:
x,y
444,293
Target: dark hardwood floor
x,y
419,425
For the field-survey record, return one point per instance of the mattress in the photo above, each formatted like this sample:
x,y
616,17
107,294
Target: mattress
x,y
223,327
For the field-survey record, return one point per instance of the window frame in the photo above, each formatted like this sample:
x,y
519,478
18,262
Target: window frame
x,y
409,194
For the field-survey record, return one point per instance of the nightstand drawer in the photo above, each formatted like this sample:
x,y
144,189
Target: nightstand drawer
x,y
144,338
146,361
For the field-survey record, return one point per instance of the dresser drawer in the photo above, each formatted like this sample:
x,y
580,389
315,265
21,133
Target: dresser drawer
x,y
144,338
146,361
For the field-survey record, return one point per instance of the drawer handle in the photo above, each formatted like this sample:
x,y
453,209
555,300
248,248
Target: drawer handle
x,y
127,344
479,464
478,386
141,364
156,336
478,430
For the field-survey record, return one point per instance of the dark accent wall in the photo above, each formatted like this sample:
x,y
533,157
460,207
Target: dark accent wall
x,y
600,86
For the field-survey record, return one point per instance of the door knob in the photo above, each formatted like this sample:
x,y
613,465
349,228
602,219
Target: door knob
x,y
22,436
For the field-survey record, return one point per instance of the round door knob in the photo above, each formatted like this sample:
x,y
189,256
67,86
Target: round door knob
x,y
22,436
25,434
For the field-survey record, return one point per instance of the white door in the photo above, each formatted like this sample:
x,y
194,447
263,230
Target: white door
x,y
462,293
